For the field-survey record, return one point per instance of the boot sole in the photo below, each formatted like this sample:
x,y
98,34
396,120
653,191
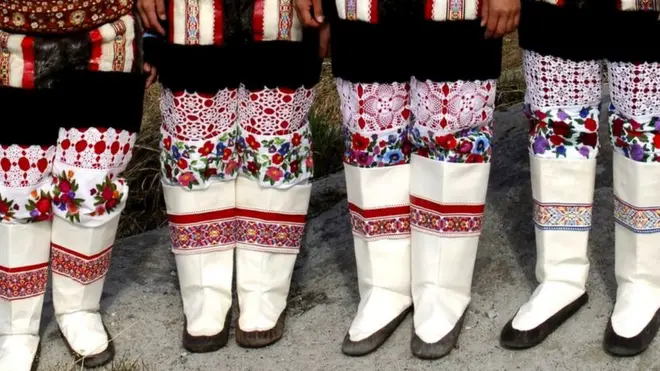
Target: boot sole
x,y
375,341
620,346
260,339
96,360
439,349
513,339
206,344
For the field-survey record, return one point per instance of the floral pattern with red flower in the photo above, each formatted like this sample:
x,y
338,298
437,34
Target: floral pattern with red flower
x,y
81,268
466,146
564,133
65,195
639,141
23,282
25,173
193,164
274,136
87,160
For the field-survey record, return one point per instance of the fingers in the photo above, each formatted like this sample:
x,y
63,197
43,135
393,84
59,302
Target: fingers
x,y
324,35
147,10
318,11
304,10
162,10
143,14
491,24
500,29
485,12
152,75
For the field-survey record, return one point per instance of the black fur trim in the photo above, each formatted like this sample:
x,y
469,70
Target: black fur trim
x,y
153,49
256,65
633,37
101,99
29,117
439,51
568,33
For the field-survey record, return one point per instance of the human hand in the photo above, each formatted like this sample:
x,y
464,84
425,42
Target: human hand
x,y
152,12
310,12
500,17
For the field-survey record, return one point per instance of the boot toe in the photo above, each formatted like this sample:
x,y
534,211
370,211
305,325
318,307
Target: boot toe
x,y
620,346
260,339
206,344
440,348
375,341
511,338
96,359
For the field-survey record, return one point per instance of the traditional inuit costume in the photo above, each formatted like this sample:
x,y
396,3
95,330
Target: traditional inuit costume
x,y
563,70
418,128
238,80
61,152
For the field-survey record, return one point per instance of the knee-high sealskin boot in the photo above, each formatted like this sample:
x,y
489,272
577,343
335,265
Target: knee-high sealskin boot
x,y
563,191
270,226
202,230
447,208
379,204
24,255
636,316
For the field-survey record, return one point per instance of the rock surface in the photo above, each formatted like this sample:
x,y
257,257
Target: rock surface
x,y
143,309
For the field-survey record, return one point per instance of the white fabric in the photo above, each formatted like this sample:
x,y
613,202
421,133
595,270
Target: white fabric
x,y
205,272
263,280
637,255
21,246
383,265
442,264
77,305
453,10
205,282
562,265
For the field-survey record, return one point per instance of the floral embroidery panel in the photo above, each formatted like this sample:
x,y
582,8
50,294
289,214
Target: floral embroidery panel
x,y
639,141
451,220
80,268
637,219
565,217
23,282
564,133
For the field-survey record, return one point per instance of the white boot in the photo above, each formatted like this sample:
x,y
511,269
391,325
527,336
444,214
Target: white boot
x,y
202,229
80,262
380,213
24,254
637,265
563,192
447,208
271,223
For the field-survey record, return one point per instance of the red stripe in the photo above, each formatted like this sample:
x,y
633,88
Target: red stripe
x,y
428,9
560,2
447,209
379,213
270,216
258,20
28,62
201,217
24,269
374,11
97,41
218,24
77,254
480,7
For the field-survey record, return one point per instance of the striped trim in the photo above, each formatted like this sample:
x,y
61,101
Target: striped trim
x,y
113,46
214,230
269,231
636,5
358,10
16,60
275,20
383,223
452,10
23,282
641,220
196,22
562,217
84,269
447,220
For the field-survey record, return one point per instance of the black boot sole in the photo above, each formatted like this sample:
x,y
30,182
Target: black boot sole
x,y
439,349
513,339
375,341
627,347
260,339
206,344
